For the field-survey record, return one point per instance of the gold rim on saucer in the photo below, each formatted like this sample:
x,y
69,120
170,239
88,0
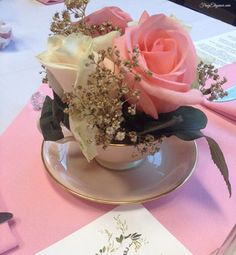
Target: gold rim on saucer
x,y
158,175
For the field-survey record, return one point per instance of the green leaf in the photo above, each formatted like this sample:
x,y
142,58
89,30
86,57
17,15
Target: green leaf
x,y
50,127
120,239
159,126
216,153
52,115
135,236
186,123
127,236
58,110
219,160
185,119
193,118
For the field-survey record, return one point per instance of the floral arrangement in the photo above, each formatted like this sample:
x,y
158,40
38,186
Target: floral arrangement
x,y
115,80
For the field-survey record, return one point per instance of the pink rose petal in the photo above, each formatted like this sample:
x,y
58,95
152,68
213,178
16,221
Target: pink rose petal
x,y
144,17
173,98
165,51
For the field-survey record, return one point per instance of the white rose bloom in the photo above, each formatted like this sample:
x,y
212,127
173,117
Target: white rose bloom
x,y
65,61
66,58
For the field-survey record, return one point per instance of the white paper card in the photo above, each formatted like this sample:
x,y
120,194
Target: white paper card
x,y
126,230
220,49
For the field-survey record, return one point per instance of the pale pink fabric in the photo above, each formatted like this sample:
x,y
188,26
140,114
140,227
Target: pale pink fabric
x,y
201,204
167,51
7,239
227,109
47,2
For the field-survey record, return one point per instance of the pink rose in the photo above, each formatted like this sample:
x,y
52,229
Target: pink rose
x,y
167,51
111,14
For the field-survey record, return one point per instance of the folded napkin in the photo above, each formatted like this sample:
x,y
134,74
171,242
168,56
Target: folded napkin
x,y
7,239
51,1
227,109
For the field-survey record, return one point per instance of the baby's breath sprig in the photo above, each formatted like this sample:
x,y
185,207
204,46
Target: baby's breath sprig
x,y
208,72
147,144
73,20
101,29
133,63
44,73
77,6
101,101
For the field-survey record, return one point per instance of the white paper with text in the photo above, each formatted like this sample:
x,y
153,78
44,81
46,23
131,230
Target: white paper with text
x,y
220,50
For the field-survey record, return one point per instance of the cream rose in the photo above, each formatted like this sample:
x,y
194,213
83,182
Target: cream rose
x,y
66,58
65,61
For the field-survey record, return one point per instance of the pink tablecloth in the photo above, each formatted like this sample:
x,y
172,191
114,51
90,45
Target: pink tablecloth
x,y
200,214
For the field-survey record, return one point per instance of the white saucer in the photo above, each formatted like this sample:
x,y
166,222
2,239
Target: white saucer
x,y
156,176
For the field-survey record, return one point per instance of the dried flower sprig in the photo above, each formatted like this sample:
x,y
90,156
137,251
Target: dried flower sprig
x,y
101,101
208,72
73,20
148,144
44,73
76,6
61,24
